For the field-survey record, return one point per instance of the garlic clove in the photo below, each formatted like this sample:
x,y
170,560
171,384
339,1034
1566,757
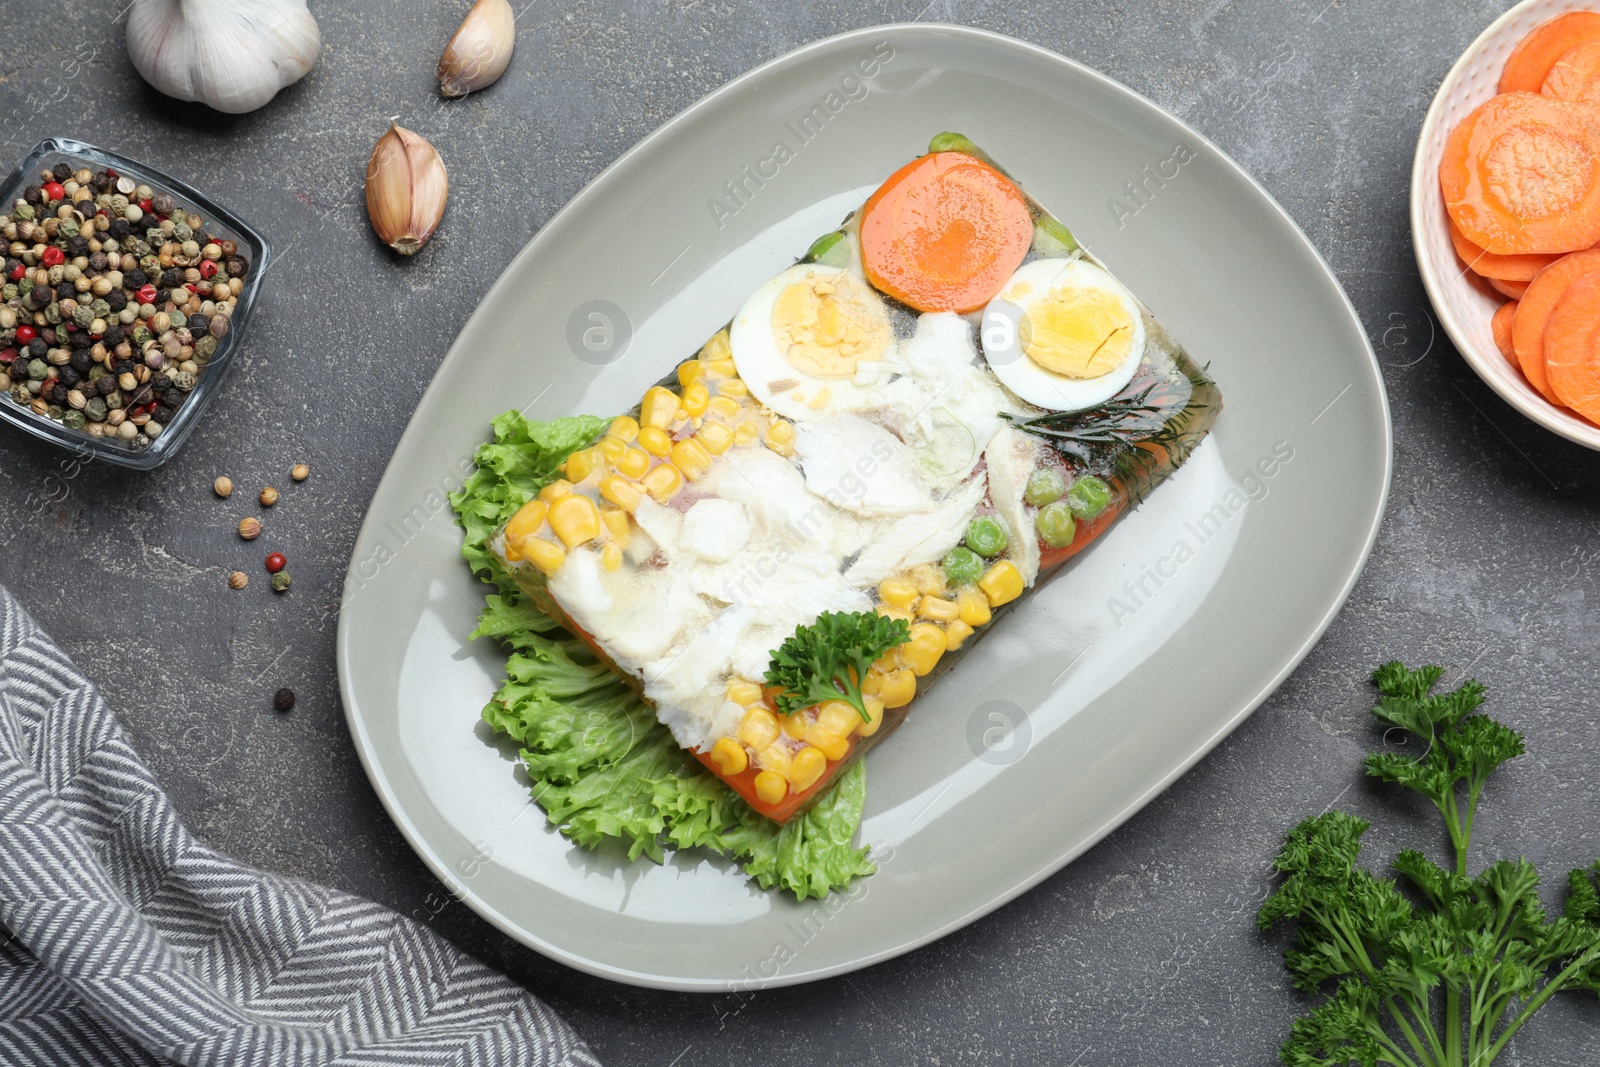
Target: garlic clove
x,y
232,56
481,49
407,188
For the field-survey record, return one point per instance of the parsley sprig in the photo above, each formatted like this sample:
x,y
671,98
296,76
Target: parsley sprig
x,y
1446,975
828,660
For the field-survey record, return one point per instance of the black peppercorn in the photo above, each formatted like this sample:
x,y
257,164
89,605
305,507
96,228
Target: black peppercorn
x,y
105,385
81,361
120,229
80,340
162,204
33,195
69,377
199,323
66,291
40,298
163,414
62,171
116,300
283,700
97,261
54,392
37,349
237,266
171,278
77,246
101,182
135,279
123,366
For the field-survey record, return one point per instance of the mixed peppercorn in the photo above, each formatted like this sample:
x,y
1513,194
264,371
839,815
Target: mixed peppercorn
x,y
113,302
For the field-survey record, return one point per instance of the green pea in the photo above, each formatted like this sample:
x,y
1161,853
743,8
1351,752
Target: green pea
x,y
962,566
830,249
1051,238
986,537
952,142
1088,497
1045,486
1055,525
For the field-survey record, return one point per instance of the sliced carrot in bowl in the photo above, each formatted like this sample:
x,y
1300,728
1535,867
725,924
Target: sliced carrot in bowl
x,y
1517,268
1576,75
1522,174
944,233
1537,53
1514,290
1533,311
1501,326
1572,347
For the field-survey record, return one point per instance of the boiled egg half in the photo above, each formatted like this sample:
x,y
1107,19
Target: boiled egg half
x,y
1063,334
812,341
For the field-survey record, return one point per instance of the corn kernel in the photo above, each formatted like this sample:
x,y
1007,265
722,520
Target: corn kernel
x,y
770,787
806,767
827,742
612,448
746,432
758,728
583,463
744,693
897,592
616,521
714,438
691,458
836,717
938,609
955,632
720,368
690,371
874,722
624,428
611,556
794,725
620,491
1002,584
820,401
663,482
889,661
555,490
899,686
528,520
927,579
695,398
513,552
717,347
725,406
633,463
546,555
775,757
575,519
874,682
659,407
732,387
895,613
974,607
922,652
781,431
729,756
655,441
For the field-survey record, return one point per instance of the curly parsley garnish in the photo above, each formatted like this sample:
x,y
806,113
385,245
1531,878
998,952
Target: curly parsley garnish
x,y
828,659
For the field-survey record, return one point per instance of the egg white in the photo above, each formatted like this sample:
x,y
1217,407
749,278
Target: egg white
x,y
1011,364
761,364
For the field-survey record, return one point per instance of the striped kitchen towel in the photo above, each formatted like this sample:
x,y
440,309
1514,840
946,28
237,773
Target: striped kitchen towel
x,y
123,939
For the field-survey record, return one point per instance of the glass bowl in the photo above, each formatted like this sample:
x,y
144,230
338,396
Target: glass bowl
x,y
221,224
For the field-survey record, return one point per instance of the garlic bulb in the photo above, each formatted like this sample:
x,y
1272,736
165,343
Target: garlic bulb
x,y
481,49
406,190
231,54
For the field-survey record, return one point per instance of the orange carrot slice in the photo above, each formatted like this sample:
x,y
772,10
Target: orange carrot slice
x,y
1519,268
1572,347
1535,55
1501,325
1522,174
1527,326
1514,290
944,233
1576,75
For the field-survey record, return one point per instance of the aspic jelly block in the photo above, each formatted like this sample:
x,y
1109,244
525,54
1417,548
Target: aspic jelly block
x,y
799,527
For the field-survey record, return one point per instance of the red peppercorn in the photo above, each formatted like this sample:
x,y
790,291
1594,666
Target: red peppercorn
x,y
53,257
18,273
147,294
111,173
54,190
144,205
276,562
208,267
8,354
26,333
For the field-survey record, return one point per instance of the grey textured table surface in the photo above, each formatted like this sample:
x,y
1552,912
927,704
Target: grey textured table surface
x,y
1142,952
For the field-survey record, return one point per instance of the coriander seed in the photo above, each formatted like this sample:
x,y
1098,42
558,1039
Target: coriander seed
x,y
250,528
300,472
238,580
269,497
223,486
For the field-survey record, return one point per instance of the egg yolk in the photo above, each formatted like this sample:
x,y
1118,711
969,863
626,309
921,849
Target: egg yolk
x,y
825,326
1077,332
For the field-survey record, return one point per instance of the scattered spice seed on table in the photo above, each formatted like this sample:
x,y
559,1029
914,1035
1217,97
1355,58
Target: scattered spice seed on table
x,y
223,487
300,472
280,582
112,303
276,562
283,699
269,497
250,528
238,579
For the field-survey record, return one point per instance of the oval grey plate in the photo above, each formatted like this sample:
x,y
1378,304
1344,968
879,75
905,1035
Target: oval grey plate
x,y
1083,704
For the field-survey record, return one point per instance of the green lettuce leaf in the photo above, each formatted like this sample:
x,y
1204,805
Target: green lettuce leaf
x,y
603,768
